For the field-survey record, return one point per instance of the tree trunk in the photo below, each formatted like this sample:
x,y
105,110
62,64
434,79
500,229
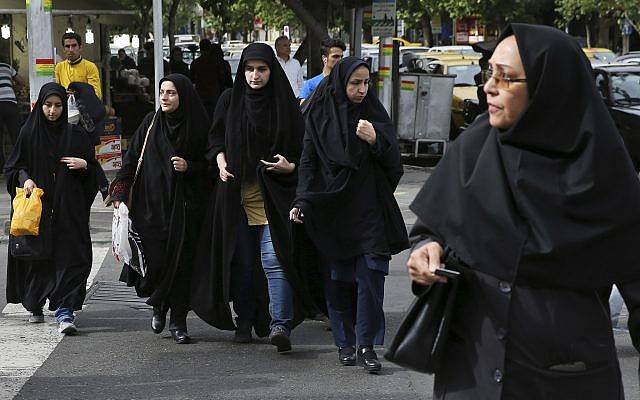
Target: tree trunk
x,y
604,27
588,30
305,13
302,52
172,23
427,32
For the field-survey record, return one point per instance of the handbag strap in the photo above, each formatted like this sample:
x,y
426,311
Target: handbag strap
x,y
144,146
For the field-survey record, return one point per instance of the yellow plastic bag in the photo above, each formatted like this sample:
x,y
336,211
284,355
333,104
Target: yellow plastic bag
x,y
26,213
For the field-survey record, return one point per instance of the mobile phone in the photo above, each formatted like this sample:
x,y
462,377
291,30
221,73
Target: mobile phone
x,y
448,273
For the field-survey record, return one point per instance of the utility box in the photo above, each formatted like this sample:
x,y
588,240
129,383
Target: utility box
x,y
424,108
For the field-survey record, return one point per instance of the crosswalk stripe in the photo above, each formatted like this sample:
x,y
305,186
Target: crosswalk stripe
x,y
24,347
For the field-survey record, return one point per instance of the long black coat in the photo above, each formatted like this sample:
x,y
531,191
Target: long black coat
x,y
63,277
512,341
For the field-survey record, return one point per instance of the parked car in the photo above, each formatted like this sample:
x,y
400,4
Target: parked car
x,y
599,56
619,86
629,58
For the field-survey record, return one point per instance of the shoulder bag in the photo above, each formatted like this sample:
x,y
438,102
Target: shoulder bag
x,y
421,339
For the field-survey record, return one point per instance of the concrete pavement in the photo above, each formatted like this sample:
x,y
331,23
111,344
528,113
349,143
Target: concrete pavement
x,y
116,356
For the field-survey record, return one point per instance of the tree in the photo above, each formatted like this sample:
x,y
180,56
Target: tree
x,y
173,10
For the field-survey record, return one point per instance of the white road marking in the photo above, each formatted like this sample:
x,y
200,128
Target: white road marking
x,y
24,347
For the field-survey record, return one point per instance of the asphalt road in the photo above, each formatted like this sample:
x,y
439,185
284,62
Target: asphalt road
x,y
116,356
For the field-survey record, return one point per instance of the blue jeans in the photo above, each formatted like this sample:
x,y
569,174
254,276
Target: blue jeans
x,y
280,291
249,240
64,315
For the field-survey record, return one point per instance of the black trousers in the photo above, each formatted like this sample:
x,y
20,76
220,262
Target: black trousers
x,y
8,121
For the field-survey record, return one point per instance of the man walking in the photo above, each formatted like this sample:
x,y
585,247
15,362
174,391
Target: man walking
x,y
332,51
291,66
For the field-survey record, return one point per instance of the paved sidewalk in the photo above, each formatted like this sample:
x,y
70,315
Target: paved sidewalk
x,y
116,356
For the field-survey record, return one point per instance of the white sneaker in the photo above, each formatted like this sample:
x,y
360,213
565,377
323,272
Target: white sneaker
x,y
36,319
68,328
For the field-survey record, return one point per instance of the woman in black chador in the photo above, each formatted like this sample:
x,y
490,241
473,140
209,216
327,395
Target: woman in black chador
x,y
349,169
52,155
255,140
538,202
169,195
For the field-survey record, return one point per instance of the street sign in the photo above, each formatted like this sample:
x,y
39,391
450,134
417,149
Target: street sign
x,y
627,27
257,23
383,18
286,31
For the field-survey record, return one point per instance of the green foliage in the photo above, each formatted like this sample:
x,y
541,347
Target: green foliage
x,y
238,15
570,10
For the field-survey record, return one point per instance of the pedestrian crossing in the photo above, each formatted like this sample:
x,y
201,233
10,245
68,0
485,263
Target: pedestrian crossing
x,y
23,346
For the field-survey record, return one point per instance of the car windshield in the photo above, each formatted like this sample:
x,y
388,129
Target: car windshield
x,y
464,74
626,87
604,56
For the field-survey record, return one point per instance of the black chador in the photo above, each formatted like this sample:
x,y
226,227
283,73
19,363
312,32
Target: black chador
x,y
250,125
346,185
543,214
36,156
167,206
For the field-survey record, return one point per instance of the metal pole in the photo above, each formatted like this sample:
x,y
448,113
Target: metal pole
x,y
157,47
356,31
41,57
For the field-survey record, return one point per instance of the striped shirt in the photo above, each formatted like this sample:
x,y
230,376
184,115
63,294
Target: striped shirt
x,y
6,86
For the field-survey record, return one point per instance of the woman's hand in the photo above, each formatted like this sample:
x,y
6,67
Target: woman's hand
x,y
296,215
221,159
423,262
74,162
179,164
28,187
366,132
116,204
282,166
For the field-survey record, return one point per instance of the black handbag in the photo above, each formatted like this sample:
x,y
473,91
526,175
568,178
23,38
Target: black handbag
x,y
34,248
421,339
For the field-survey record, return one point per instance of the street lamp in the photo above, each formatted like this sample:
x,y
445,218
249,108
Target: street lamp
x,y
6,31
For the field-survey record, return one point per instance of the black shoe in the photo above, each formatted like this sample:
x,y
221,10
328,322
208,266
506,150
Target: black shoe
x,y
279,337
180,336
159,320
369,359
243,331
347,355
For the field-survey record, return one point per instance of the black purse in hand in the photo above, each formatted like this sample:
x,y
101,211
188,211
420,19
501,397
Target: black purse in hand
x,y
34,248
421,340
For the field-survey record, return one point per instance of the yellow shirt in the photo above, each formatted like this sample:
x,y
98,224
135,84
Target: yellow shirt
x,y
253,204
82,71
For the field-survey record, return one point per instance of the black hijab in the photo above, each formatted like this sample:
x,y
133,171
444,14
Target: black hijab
x,y
41,134
261,123
331,119
350,178
187,125
551,201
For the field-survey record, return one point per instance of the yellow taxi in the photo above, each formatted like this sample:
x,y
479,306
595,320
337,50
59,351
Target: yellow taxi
x,y
403,42
598,55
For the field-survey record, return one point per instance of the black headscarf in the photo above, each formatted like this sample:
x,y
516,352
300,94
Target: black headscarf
x,y
331,119
330,194
263,120
43,134
551,201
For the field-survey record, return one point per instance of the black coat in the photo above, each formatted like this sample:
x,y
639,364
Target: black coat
x,y
36,155
506,337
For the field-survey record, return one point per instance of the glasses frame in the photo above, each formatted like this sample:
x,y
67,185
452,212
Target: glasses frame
x,y
489,73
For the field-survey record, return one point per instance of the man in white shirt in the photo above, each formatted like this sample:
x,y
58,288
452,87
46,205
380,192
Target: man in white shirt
x,y
290,65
